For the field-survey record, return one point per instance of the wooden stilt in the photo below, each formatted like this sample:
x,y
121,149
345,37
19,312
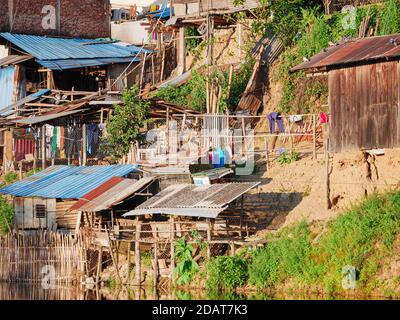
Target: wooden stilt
x,y
43,147
208,237
172,265
241,217
128,261
84,145
99,264
314,137
155,264
35,151
267,152
138,275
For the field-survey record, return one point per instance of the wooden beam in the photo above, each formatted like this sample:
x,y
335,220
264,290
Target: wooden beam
x,y
84,145
43,147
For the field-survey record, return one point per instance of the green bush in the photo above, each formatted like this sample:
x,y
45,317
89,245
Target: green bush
x,y
225,273
10,177
288,157
186,267
6,215
286,256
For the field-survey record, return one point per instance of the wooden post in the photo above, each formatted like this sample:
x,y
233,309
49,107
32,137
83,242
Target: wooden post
x,y
142,73
267,152
128,260
168,134
229,82
172,238
20,170
152,70
115,262
35,155
138,275
84,145
112,218
99,264
233,251
50,81
182,51
155,263
241,216
209,237
43,148
327,177
162,64
314,137
244,139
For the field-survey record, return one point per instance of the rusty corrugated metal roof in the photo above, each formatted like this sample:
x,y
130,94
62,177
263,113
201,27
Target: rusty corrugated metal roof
x,y
96,192
14,59
193,201
364,50
110,194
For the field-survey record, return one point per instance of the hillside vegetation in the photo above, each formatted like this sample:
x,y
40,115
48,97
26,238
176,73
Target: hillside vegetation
x,y
313,260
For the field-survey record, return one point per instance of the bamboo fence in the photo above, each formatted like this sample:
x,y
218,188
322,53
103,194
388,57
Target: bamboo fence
x,y
42,256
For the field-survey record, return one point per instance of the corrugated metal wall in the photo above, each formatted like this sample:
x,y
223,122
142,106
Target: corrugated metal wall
x,y
364,105
6,86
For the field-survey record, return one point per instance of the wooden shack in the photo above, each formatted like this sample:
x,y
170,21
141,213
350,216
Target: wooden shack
x,y
363,81
42,201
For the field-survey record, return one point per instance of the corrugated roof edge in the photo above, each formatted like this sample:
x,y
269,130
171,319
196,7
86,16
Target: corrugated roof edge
x,y
354,51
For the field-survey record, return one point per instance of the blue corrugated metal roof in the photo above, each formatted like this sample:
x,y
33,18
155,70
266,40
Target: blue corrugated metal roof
x,y
81,63
63,53
65,182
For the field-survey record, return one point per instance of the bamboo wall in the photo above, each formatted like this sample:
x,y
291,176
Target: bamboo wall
x,y
28,258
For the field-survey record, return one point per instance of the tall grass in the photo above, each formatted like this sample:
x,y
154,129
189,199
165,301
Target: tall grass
x,y
360,237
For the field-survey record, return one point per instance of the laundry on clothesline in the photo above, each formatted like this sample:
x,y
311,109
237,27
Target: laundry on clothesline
x,y
275,117
295,118
324,118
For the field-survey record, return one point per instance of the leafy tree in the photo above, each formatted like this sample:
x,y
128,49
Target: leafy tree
x,y
124,127
282,17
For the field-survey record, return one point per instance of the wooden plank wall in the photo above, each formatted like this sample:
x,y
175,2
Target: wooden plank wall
x,y
66,220
364,107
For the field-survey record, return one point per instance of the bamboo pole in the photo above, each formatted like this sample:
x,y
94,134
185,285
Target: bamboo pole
x,y
172,238
208,237
138,270
84,145
155,264
43,148
99,264
314,137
